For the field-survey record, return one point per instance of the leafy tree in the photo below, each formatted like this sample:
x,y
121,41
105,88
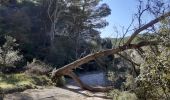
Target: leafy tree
x,y
30,34
78,20
154,79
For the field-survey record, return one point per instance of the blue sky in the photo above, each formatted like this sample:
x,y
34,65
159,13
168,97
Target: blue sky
x,y
121,15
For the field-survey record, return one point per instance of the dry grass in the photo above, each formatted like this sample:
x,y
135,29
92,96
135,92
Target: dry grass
x,y
21,81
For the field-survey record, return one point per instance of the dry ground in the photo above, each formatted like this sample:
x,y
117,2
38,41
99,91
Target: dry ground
x,y
70,92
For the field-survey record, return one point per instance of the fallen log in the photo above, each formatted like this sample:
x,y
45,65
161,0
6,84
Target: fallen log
x,y
69,68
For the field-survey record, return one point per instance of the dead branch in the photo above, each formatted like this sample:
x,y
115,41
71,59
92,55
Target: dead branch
x,y
147,26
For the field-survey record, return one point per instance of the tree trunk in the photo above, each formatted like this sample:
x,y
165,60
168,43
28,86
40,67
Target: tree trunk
x,y
68,68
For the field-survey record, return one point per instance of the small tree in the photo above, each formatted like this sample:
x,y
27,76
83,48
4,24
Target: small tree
x,y
8,55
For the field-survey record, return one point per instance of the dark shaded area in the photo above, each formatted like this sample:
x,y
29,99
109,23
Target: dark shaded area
x,y
29,23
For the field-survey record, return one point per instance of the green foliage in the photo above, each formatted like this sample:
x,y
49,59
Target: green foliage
x,y
125,95
23,22
60,81
29,22
120,41
37,67
21,81
153,81
62,52
129,84
76,33
154,74
9,56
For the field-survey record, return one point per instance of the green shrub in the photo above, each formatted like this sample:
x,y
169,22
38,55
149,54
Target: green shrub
x,y
60,81
19,82
38,67
8,56
125,95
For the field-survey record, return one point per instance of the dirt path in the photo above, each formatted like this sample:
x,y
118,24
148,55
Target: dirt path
x,y
55,93
70,92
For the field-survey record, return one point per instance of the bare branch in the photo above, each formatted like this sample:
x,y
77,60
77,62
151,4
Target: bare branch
x,y
127,30
147,26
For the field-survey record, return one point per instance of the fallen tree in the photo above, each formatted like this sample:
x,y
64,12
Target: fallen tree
x,y
68,69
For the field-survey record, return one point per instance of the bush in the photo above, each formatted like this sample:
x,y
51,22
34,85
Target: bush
x,y
8,56
125,95
38,67
153,81
60,81
18,82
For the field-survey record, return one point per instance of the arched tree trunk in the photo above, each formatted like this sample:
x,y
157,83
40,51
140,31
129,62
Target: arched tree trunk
x,y
67,69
